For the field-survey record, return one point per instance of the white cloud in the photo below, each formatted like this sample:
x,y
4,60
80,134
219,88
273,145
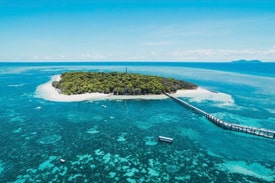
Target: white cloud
x,y
199,55
158,43
90,56
223,54
61,56
155,54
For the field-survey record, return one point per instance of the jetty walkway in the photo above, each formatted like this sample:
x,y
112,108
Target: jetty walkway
x,y
226,125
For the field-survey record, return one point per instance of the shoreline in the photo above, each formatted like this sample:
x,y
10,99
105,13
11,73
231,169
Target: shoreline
x,y
47,92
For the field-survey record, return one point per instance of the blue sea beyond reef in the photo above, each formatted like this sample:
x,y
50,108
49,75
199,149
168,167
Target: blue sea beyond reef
x,y
119,142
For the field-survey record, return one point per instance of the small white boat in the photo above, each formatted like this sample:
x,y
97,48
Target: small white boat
x,y
165,139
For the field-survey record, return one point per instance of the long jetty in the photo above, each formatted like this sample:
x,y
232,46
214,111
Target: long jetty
x,y
226,125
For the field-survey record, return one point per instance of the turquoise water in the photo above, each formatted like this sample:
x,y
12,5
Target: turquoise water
x,y
119,143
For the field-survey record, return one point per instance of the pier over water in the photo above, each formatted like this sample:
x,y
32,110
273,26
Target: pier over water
x,y
226,125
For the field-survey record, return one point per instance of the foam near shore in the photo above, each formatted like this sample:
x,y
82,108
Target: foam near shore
x,y
201,94
48,92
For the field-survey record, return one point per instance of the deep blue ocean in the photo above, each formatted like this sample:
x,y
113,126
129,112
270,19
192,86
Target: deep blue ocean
x,y
119,143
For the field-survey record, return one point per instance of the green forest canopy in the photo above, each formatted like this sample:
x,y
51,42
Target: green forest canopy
x,y
117,83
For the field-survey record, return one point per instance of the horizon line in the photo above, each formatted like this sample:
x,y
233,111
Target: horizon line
x,y
139,61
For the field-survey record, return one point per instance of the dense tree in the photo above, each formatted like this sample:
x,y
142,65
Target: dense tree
x,y
117,83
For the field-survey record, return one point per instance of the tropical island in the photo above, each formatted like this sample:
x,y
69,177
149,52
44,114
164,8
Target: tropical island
x,y
242,61
90,86
117,83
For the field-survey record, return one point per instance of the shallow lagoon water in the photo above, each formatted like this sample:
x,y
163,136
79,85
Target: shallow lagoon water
x,y
119,143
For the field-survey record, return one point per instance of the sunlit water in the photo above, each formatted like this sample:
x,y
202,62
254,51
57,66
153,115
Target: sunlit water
x,y
119,143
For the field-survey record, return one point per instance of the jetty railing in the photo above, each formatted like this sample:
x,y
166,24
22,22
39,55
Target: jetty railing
x,y
226,125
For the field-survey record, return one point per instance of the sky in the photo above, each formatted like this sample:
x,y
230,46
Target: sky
x,y
141,30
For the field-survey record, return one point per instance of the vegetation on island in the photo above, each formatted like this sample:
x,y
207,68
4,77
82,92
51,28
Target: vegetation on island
x,y
117,83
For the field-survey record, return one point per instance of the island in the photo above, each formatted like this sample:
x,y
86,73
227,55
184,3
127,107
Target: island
x,y
242,61
83,88
117,83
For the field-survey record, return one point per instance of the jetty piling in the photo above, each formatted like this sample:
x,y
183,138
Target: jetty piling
x,y
226,125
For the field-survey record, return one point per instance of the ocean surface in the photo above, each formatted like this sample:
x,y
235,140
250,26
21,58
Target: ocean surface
x,y
119,142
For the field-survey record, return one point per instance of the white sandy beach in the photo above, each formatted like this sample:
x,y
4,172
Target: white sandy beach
x,y
48,92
